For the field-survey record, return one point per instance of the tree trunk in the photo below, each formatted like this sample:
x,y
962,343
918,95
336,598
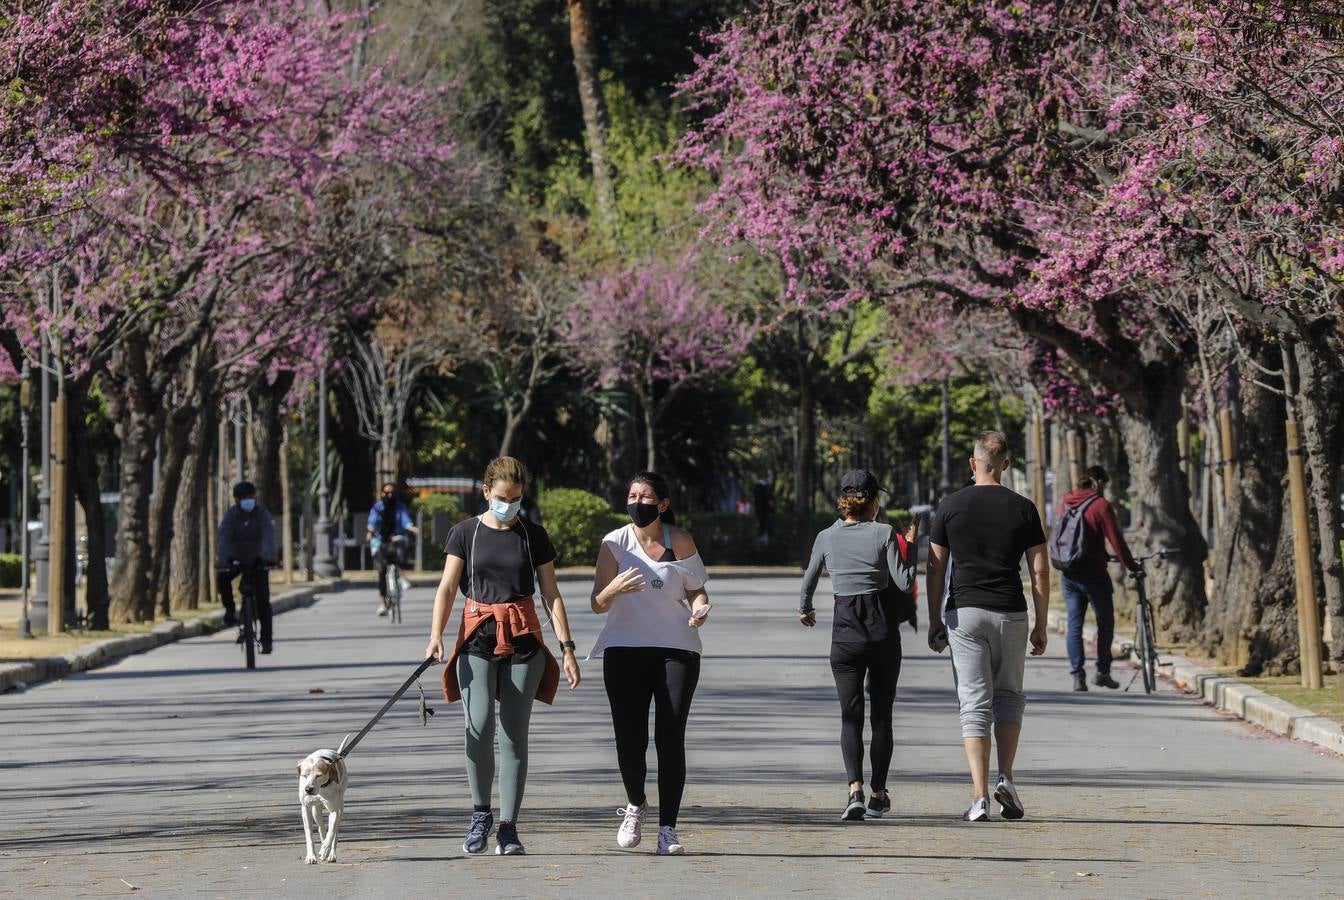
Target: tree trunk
x,y
352,487
177,449
267,431
511,420
583,42
805,464
1161,507
87,490
650,441
138,416
184,563
1320,385
1251,620
183,438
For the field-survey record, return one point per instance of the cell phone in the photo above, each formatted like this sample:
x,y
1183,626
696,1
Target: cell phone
x,y
701,612
941,636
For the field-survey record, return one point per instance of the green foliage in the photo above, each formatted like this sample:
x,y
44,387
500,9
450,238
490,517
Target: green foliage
x,y
436,503
576,521
11,570
655,202
519,86
729,539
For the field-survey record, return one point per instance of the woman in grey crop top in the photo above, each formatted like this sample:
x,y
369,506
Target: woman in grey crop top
x,y
872,571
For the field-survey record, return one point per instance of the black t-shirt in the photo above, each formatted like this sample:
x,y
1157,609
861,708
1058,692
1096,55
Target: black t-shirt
x,y
503,571
987,530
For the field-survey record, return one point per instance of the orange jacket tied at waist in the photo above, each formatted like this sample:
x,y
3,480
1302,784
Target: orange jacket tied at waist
x,y
512,618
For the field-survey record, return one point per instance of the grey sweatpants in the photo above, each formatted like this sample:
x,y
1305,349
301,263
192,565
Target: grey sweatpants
x,y
515,681
989,657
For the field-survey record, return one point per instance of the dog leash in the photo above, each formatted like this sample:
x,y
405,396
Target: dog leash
x,y
348,745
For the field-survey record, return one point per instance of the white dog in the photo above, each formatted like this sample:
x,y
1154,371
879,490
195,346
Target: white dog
x,y
322,781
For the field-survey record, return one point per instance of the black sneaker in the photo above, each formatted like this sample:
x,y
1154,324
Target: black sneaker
x,y
481,823
266,648
877,807
230,619
1080,682
506,841
854,809
1104,679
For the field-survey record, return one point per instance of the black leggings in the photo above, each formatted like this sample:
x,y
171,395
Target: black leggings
x,y
881,662
635,676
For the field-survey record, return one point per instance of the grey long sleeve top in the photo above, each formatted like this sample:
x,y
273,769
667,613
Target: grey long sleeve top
x,y
861,558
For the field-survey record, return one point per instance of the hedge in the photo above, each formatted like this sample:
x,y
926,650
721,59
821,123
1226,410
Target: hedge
x,y
11,570
576,521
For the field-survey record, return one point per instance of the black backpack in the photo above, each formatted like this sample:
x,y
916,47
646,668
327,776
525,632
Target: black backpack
x,y
1068,539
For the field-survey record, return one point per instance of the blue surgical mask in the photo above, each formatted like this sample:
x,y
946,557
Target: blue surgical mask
x,y
248,505
505,511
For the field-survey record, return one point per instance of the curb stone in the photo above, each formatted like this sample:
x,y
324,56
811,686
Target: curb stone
x,y
21,676
1237,698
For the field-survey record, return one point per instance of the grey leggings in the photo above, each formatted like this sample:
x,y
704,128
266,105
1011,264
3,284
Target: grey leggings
x,y
989,656
516,682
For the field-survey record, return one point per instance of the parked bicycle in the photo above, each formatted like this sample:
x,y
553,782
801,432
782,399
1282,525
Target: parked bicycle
x,y
1145,629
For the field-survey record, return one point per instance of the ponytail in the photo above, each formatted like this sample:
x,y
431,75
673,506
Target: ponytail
x,y
1093,478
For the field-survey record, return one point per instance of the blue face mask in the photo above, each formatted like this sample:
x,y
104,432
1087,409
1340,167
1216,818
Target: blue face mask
x,y
505,511
248,505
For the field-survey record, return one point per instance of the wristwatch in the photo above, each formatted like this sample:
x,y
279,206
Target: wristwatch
x,y
566,645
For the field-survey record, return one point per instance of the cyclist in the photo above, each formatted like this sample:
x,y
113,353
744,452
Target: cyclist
x,y
1090,583
246,540
388,519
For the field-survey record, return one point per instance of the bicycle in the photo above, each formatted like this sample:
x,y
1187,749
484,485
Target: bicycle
x,y
247,592
392,578
1145,630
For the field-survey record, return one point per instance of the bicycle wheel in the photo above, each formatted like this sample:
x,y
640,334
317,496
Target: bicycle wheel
x,y
392,591
1143,646
249,630
1150,662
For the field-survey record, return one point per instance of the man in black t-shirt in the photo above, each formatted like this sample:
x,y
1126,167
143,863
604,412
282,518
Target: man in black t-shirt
x,y
985,530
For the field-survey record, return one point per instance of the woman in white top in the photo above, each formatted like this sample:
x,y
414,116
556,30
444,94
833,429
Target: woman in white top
x,y
650,584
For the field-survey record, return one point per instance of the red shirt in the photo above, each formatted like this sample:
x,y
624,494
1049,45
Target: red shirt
x,y
1099,527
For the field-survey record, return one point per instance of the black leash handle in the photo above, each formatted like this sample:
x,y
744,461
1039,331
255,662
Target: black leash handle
x,y
347,747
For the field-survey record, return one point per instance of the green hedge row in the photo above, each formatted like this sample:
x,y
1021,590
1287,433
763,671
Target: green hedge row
x,y
577,521
11,570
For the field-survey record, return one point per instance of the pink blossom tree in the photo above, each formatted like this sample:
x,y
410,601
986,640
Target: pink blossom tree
x,y
652,328
187,169
940,147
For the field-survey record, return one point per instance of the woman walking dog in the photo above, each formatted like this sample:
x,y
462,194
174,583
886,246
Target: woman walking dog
x,y
865,559
499,653
650,584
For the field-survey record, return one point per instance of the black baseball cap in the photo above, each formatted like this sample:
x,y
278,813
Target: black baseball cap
x,y
859,483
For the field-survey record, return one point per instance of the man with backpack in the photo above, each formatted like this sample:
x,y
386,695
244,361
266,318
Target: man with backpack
x,y
1084,524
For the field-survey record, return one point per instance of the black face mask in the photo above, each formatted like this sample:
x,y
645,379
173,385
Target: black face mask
x,y
643,513
387,498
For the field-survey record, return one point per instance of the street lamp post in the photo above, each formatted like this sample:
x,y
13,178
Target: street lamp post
x,y
25,400
41,549
324,565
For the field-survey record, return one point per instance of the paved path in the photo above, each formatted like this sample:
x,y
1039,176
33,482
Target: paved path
x,y
174,772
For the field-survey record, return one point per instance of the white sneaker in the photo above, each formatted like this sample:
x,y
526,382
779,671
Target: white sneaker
x,y
668,845
383,610
629,833
1010,806
978,811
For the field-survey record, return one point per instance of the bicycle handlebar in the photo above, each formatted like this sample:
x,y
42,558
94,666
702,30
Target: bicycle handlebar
x,y
1163,553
